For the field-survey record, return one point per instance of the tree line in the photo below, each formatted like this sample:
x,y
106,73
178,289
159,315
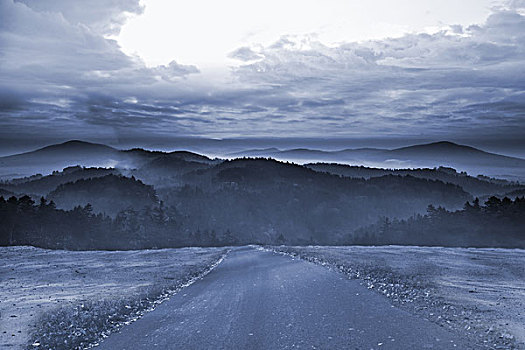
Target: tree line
x,y
496,223
25,222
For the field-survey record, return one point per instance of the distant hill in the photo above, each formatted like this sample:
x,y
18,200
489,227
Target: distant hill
x,y
305,154
146,155
255,152
448,154
174,163
86,154
42,185
477,186
57,157
437,152
64,152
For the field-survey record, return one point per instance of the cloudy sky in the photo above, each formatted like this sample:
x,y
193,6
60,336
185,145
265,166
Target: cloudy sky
x,y
110,70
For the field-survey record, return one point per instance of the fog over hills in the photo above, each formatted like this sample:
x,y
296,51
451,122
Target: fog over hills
x,y
451,152
447,154
71,153
444,153
183,198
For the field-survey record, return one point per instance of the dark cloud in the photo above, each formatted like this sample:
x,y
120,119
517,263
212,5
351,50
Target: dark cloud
x,y
60,74
56,65
451,81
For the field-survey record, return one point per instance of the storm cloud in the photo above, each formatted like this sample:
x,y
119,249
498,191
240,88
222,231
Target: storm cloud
x,y
61,73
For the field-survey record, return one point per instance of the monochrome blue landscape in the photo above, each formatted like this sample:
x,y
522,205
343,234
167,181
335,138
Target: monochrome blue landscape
x,y
262,175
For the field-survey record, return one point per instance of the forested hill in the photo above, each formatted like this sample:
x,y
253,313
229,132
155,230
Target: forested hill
x,y
181,199
42,185
259,200
477,186
109,194
86,154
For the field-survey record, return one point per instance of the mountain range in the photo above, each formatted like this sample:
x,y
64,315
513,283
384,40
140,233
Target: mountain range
x,y
444,153
180,198
71,153
447,154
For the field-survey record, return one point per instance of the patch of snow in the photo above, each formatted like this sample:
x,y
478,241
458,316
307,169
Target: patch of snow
x,y
40,285
478,291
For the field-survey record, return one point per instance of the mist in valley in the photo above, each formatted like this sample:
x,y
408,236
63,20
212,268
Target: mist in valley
x,y
153,199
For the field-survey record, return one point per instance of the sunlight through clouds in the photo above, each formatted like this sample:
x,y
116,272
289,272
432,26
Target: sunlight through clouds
x,y
202,32
218,71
